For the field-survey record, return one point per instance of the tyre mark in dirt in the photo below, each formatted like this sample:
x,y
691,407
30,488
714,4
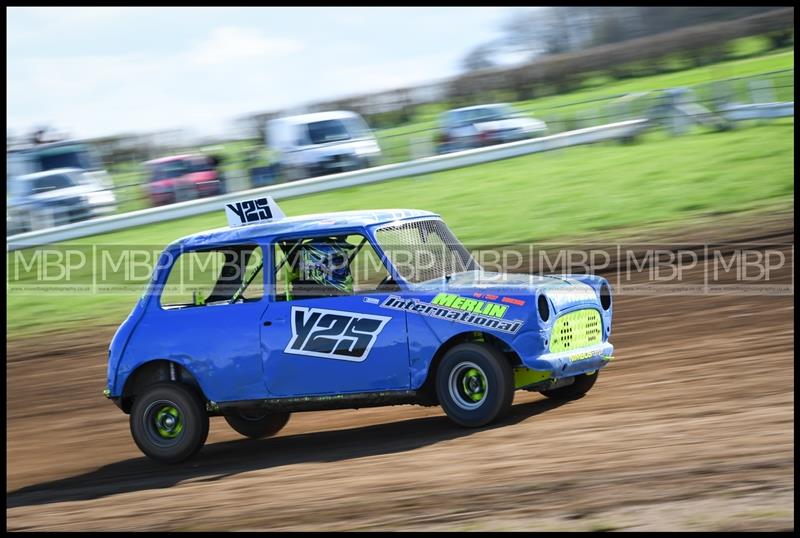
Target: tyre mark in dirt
x,y
697,408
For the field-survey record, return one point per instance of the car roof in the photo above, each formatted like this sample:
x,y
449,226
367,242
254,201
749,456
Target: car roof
x,y
477,107
171,158
53,172
33,148
316,223
319,116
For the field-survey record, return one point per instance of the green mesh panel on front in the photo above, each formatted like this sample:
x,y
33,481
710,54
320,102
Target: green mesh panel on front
x,y
576,330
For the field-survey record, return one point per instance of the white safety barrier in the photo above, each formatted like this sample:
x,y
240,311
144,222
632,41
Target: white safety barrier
x,y
416,167
758,111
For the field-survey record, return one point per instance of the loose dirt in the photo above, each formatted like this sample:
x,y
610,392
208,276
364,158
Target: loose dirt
x,y
690,428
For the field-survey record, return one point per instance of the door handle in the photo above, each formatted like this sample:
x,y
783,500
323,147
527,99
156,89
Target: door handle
x,y
267,323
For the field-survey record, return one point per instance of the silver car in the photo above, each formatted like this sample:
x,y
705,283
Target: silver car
x,y
483,125
59,196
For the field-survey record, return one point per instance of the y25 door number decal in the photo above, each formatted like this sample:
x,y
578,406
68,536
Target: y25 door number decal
x,y
333,334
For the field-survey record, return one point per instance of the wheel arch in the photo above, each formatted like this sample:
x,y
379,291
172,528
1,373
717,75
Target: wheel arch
x,y
428,387
154,371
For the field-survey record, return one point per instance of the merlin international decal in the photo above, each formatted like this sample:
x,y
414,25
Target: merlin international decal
x,y
457,302
458,309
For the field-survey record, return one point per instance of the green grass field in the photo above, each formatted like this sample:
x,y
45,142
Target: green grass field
x,y
606,189
553,109
750,57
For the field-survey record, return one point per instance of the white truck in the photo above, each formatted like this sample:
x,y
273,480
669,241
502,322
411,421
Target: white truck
x,y
321,143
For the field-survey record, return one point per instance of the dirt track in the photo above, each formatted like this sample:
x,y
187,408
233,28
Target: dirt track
x,y
690,429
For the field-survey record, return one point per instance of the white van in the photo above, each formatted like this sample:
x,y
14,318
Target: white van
x,y
322,143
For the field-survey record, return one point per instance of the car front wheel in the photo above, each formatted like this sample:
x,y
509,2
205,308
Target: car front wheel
x,y
169,422
255,424
474,384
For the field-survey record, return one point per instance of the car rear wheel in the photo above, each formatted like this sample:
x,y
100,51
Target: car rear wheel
x,y
578,388
256,424
474,384
43,219
293,173
169,422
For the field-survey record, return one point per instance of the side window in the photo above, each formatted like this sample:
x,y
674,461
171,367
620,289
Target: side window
x,y
16,167
225,275
330,266
301,136
447,120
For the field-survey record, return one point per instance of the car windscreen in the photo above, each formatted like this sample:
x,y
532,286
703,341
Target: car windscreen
x,y
356,127
199,164
324,131
51,183
76,156
169,170
477,115
424,250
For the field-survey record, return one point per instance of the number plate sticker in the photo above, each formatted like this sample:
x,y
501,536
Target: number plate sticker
x,y
256,211
582,356
334,334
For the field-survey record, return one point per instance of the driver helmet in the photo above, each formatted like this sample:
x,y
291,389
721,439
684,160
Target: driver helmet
x,y
327,263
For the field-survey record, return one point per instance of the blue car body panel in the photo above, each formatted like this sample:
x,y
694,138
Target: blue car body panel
x,y
273,349
384,367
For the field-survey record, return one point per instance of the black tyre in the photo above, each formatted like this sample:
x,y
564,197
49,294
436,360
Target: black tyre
x,y
185,192
257,424
293,173
169,422
578,388
474,384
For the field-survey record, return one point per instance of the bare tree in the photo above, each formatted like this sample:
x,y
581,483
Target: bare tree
x,y
555,30
478,58
551,30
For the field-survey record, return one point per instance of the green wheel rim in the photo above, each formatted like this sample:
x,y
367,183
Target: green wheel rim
x,y
468,385
169,423
474,384
164,423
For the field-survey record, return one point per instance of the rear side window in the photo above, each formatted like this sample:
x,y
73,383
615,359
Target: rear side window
x,y
169,170
66,157
51,183
227,275
17,166
18,188
200,164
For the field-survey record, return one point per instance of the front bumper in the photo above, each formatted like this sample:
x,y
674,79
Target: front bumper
x,y
103,209
572,362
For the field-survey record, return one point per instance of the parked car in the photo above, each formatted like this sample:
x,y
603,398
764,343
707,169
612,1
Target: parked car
x,y
54,197
54,155
483,125
321,143
325,312
183,177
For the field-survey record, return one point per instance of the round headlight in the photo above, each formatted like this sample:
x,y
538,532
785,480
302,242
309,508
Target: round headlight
x,y
544,308
605,297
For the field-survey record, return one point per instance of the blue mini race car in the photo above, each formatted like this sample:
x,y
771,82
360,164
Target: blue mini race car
x,y
275,314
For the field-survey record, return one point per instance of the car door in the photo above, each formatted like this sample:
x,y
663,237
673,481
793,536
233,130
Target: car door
x,y
195,323
333,345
